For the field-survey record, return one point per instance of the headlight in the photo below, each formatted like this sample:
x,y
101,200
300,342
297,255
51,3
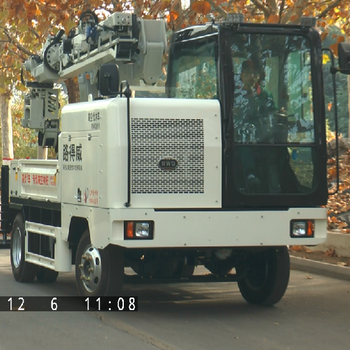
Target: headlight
x,y
138,230
142,229
302,228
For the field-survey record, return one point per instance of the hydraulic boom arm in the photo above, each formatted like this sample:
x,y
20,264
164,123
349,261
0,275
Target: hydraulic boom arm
x,y
136,45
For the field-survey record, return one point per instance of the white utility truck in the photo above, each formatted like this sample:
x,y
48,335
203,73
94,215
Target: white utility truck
x,y
161,185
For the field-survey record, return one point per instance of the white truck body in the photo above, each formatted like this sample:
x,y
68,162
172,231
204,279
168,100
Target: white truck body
x,y
212,175
89,181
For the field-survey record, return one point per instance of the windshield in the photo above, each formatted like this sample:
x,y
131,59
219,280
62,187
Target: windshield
x,y
267,98
195,70
272,111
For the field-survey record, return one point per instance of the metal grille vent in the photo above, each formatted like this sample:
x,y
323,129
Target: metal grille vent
x,y
156,139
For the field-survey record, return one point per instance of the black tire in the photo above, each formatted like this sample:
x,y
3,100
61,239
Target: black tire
x,y
22,270
45,275
106,278
266,278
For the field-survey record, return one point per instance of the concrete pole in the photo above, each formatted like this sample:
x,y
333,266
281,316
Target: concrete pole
x,y
42,152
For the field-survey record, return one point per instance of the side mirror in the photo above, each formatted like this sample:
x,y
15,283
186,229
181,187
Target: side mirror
x,y
108,79
344,57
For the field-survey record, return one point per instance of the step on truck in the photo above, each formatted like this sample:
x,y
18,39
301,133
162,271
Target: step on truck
x,y
158,186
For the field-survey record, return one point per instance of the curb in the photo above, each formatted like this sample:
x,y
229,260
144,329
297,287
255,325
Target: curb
x,y
320,268
338,241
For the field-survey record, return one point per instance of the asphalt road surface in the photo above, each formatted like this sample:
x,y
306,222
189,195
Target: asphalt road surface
x,y
314,314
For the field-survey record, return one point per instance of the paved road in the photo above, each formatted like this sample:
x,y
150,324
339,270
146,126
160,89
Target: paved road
x,y
314,314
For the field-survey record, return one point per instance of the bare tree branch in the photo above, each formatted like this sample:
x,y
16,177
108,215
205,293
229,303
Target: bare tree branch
x,y
272,5
16,43
40,5
281,11
260,5
17,54
219,9
297,10
330,7
35,33
182,18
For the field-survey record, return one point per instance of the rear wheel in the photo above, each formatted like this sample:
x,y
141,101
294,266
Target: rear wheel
x,y
45,275
22,270
98,272
265,279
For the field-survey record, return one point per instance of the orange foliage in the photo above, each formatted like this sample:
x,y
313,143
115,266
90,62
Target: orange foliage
x,y
334,48
324,35
202,7
172,17
273,19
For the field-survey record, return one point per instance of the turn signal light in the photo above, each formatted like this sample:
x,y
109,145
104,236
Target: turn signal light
x,y
129,232
310,228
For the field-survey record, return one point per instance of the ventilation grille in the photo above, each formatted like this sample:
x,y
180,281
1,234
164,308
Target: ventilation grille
x,y
156,139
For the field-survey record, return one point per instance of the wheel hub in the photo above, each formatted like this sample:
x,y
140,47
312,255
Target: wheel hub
x,y
90,268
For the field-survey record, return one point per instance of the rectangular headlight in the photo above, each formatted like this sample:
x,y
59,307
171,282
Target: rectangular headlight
x,y
142,229
138,230
302,228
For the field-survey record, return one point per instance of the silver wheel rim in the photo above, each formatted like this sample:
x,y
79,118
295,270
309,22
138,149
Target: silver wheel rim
x,y
90,268
17,247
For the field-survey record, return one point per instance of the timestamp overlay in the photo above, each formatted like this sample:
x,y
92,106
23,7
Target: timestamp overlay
x,y
55,304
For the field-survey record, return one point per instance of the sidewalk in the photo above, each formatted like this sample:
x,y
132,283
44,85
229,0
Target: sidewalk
x,y
320,268
337,243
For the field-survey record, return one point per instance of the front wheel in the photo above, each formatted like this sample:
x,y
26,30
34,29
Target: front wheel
x,y
22,270
98,272
265,278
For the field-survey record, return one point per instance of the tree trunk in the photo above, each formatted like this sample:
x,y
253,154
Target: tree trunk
x,y
138,8
73,90
6,125
348,40
349,104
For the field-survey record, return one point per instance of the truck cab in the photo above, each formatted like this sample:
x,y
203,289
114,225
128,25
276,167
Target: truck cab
x,y
283,147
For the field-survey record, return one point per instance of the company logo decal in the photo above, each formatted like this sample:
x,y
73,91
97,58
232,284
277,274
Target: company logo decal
x,y
168,164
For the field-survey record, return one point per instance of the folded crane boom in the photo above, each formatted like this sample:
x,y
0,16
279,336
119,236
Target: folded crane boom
x,y
134,44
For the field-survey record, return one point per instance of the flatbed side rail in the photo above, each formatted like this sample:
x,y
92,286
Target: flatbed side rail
x,y
5,228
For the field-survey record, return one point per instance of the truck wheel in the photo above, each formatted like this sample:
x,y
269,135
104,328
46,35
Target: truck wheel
x,y
98,272
22,270
266,278
45,275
